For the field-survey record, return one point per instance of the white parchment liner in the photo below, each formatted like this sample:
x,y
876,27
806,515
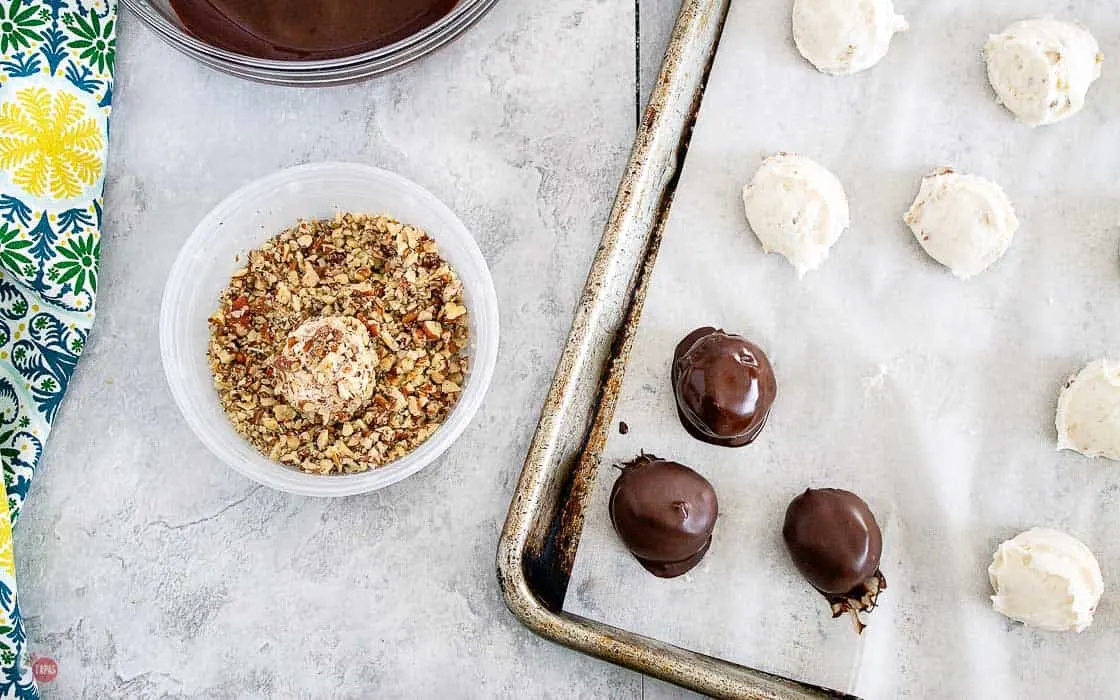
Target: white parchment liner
x,y
931,397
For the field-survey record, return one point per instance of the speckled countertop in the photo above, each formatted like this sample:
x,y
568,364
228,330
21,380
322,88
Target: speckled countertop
x,y
148,569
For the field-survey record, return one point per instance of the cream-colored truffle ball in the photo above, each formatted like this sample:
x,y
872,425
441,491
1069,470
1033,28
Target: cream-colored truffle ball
x,y
964,222
1046,579
797,208
1088,417
327,368
1041,69
841,37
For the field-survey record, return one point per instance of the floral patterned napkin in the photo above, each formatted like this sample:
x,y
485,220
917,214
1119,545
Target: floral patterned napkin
x,y
56,86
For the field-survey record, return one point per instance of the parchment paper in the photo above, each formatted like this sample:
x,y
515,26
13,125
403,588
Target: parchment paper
x,y
931,397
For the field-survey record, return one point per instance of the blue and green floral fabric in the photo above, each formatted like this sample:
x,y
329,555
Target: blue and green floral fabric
x,y
56,87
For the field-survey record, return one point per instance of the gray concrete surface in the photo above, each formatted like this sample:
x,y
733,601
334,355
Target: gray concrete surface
x,y
146,567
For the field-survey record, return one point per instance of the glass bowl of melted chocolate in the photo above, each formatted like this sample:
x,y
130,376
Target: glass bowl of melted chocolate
x,y
308,42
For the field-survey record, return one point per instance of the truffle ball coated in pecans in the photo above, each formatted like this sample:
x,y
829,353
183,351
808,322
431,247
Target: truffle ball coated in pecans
x,y
326,368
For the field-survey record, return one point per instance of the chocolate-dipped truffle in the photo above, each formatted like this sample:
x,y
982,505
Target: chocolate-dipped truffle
x,y
664,513
836,544
724,386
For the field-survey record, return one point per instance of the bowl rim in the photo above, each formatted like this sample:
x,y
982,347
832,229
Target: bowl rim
x,y
465,14
286,478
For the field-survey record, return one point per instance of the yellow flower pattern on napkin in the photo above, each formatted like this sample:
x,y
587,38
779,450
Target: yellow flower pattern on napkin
x,y
49,143
7,551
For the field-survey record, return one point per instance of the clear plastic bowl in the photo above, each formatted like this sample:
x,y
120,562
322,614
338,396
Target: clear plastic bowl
x,y
160,18
254,214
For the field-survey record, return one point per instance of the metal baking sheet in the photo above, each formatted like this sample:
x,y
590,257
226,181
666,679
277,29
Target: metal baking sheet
x,y
931,397
542,530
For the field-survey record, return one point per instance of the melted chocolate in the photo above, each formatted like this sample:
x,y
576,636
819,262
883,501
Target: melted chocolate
x,y
305,30
836,544
724,386
664,513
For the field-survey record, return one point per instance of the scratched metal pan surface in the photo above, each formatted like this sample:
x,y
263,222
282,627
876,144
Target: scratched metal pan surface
x,y
541,535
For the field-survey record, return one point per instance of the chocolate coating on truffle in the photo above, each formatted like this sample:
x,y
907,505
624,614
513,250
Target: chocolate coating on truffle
x,y
833,539
664,513
724,386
